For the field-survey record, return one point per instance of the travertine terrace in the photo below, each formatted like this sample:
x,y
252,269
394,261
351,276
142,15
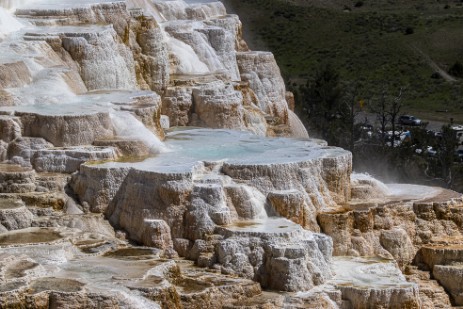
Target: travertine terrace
x,y
149,159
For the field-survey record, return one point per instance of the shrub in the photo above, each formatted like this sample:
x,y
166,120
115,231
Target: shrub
x,y
409,30
456,69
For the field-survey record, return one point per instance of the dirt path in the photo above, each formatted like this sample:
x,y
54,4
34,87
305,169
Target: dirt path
x,y
433,65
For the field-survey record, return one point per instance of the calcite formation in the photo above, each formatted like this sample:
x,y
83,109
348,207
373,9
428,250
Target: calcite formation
x,y
146,161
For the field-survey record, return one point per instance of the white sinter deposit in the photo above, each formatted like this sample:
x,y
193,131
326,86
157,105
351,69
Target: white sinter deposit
x,y
102,205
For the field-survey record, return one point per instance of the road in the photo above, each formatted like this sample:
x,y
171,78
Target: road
x,y
372,119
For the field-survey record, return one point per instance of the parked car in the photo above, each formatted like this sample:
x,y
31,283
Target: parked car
x,y
408,120
399,137
459,155
430,151
459,133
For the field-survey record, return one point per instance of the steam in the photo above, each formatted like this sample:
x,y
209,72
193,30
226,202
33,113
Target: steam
x,y
372,188
8,24
11,5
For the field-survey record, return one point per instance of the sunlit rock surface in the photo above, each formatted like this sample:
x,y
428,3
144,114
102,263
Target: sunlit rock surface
x,y
418,227
202,191
232,215
374,283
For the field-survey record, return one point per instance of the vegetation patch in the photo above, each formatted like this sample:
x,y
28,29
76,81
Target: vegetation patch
x,y
378,45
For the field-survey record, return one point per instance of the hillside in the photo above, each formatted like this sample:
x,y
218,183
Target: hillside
x,y
379,44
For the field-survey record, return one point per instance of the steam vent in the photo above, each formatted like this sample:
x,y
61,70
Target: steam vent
x,y
149,160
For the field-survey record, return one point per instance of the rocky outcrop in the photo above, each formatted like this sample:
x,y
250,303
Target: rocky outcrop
x,y
177,103
432,295
261,71
14,215
68,160
444,262
219,106
450,277
299,259
22,149
97,187
292,205
374,283
104,61
14,75
10,128
16,179
396,229
150,54
67,130
154,46
192,203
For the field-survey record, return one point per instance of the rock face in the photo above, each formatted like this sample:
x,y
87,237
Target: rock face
x,y
411,224
387,288
89,167
261,71
219,106
199,204
80,129
104,61
68,160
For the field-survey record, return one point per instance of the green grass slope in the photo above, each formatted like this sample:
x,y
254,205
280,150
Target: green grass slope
x,y
382,44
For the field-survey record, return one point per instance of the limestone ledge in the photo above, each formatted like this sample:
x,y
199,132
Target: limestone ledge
x,y
374,283
97,45
191,204
57,138
393,221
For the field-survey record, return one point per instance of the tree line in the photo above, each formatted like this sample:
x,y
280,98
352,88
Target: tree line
x,y
333,110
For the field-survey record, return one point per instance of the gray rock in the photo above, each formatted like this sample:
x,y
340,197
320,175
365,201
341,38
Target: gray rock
x,y
67,130
177,104
10,128
398,243
262,73
219,106
156,233
451,278
69,159
98,186
25,148
14,215
16,179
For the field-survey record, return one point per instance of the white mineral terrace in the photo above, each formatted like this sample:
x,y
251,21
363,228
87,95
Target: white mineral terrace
x,y
90,103
269,227
64,268
411,192
368,273
185,148
51,4
395,192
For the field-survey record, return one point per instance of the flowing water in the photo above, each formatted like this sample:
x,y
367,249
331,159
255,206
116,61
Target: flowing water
x,y
130,128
